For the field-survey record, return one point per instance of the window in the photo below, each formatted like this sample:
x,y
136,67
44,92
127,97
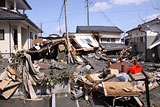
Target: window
x,y
31,35
113,39
2,3
138,39
86,40
105,40
1,34
108,40
141,39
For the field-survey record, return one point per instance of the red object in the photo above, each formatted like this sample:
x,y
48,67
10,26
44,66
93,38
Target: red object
x,y
135,69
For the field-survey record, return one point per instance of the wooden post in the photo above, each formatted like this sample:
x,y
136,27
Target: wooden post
x,y
121,59
122,67
109,63
135,62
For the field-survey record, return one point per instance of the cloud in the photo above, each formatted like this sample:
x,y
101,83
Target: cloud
x,y
153,16
100,6
127,2
60,29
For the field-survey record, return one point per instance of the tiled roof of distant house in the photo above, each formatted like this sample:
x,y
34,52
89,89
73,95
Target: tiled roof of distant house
x,y
100,29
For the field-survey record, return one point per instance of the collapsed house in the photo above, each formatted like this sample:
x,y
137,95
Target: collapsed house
x,y
109,37
92,75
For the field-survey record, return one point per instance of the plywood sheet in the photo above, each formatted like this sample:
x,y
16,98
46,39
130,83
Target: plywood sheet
x,y
8,93
118,89
4,83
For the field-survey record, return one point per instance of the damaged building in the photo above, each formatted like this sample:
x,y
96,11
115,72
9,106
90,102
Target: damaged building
x,y
144,40
109,37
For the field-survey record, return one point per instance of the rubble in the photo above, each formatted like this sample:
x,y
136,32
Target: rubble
x,y
121,79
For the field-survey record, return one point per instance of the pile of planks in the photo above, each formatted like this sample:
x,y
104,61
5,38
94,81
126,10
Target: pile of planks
x,y
8,82
21,74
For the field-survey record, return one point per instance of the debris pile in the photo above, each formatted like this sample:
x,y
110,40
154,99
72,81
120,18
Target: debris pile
x,y
119,82
115,80
21,73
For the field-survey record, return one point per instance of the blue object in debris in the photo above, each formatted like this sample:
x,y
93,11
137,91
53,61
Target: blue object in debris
x,y
123,77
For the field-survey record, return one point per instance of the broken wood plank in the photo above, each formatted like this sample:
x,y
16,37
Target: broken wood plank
x,y
4,83
12,84
8,93
93,78
114,71
11,70
32,81
3,75
31,90
61,47
116,89
138,101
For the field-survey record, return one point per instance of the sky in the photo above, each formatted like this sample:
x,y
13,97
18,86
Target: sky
x,y
125,14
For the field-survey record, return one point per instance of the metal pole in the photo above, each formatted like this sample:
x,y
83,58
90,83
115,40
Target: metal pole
x,y
88,11
66,24
41,29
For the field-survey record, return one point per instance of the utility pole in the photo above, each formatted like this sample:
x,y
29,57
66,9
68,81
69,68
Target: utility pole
x,y
66,24
88,12
41,29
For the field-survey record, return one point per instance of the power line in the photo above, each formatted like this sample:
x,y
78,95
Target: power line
x,y
102,13
61,17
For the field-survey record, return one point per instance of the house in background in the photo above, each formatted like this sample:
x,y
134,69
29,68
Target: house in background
x,y
108,36
145,40
17,31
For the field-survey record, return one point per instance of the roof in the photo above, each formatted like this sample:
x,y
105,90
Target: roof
x,y
91,29
27,4
154,21
113,46
10,15
136,28
156,43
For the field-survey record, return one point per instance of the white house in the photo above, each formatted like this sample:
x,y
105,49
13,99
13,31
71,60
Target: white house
x,y
17,31
145,40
